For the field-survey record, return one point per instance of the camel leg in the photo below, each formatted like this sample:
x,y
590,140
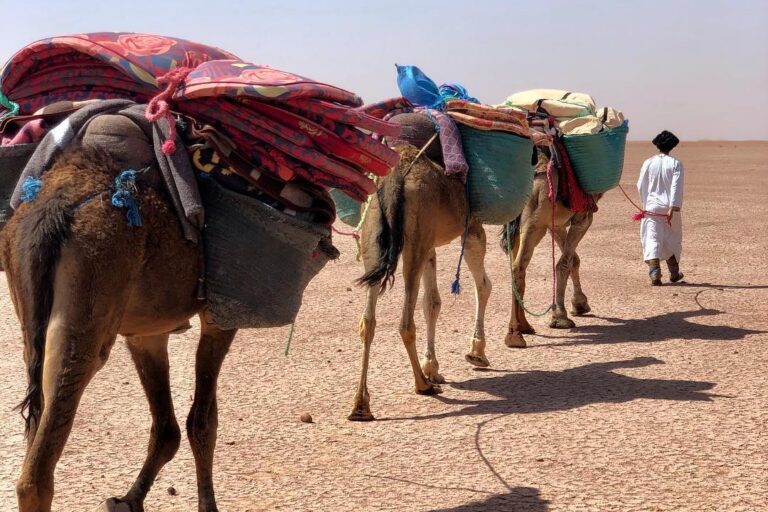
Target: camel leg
x,y
560,318
475,255
150,356
530,237
579,302
202,421
79,337
362,409
431,304
414,259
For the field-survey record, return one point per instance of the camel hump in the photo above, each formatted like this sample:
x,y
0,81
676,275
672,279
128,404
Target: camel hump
x,y
417,129
122,139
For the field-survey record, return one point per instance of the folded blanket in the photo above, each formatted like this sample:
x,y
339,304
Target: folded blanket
x,y
484,117
288,126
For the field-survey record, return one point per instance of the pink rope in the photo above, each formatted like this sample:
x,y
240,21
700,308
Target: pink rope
x,y
640,213
552,199
354,234
159,108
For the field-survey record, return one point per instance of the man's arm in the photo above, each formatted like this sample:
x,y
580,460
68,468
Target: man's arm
x,y
676,191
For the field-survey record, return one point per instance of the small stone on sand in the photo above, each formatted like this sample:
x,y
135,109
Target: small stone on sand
x,y
172,491
306,418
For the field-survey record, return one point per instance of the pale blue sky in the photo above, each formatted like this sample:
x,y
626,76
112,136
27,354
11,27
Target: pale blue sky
x,y
696,67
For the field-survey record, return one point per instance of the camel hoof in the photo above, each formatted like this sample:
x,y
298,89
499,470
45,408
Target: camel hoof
x,y
432,390
436,379
479,361
562,323
361,414
580,309
431,372
515,340
115,505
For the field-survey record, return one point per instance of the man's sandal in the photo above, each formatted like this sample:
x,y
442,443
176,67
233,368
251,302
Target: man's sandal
x,y
677,277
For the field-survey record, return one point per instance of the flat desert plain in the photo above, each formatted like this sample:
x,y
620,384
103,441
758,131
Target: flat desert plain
x,y
655,402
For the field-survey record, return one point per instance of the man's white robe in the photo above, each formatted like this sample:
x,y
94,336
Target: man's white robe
x,y
661,187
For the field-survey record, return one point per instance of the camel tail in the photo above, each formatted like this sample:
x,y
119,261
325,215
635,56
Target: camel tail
x,y
391,197
512,228
43,231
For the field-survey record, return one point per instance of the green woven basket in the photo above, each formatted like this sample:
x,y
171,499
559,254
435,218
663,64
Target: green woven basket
x,y
347,209
500,178
597,159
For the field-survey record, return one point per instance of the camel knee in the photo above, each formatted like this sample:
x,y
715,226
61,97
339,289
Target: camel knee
x,y
433,302
167,440
200,428
564,265
485,292
408,331
33,495
366,328
575,261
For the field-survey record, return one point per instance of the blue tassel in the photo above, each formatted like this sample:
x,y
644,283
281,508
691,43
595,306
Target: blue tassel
x,y
455,286
125,184
30,189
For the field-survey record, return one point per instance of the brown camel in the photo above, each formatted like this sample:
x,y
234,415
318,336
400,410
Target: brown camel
x,y
79,275
416,209
527,231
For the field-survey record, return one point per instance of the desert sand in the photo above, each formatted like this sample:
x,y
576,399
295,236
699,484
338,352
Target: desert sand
x,y
655,402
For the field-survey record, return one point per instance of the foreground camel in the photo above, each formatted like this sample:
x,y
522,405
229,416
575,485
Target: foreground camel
x,y
416,209
79,275
527,231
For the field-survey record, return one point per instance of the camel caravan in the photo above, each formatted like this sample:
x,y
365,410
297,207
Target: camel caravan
x,y
146,179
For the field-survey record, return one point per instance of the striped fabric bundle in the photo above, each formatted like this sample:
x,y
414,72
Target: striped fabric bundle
x,y
288,126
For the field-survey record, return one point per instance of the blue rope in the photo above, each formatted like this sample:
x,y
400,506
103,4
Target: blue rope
x,y
125,185
456,286
30,189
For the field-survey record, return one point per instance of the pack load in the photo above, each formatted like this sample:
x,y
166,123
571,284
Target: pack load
x,y
595,139
488,148
265,146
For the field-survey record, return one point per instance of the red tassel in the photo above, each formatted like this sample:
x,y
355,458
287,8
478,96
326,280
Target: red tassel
x,y
638,215
169,147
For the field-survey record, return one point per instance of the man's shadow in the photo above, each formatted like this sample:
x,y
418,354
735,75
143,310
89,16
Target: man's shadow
x,y
666,326
519,499
546,391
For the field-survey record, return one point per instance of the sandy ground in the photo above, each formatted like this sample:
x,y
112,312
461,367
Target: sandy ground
x,y
657,402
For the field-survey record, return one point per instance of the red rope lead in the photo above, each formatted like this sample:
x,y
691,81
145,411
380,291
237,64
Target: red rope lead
x,y
552,200
354,234
158,106
640,213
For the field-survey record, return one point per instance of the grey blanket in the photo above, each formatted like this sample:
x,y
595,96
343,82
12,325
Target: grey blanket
x,y
176,170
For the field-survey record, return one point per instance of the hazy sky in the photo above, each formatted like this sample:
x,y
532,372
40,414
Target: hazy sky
x,y
696,67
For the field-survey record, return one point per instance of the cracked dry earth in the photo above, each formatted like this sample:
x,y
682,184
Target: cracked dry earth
x,y
657,402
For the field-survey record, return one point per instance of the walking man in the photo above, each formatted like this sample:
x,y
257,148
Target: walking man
x,y
661,191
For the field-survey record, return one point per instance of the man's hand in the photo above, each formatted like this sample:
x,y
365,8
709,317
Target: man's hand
x,y
669,214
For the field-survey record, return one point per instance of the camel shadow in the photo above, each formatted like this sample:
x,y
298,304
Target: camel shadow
x,y
518,499
663,327
547,391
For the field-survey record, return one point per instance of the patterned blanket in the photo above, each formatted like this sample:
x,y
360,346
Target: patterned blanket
x,y
286,125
